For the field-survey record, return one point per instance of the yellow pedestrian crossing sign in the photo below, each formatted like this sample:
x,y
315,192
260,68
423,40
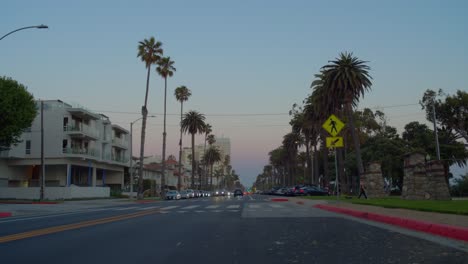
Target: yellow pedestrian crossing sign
x,y
335,142
333,125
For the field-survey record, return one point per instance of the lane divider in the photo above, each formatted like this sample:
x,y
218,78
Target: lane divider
x,y
56,229
454,232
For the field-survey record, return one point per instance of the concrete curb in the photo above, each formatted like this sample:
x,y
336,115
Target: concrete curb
x,y
5,214
453,232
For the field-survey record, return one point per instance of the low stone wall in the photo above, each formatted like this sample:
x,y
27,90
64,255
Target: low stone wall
x,y
424,181
373,181
54,193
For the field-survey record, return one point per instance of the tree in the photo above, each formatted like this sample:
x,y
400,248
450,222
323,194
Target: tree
x,y
451,113
193,123
212,156
150,52
182,94
291,142
207,131
460,186
165,69
17,111
347,79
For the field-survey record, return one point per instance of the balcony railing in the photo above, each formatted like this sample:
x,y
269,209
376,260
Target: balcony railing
x,y
81,151
120,159
120,142
4,154
84,129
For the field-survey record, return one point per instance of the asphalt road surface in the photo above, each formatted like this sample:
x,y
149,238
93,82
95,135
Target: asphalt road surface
x,y
250,229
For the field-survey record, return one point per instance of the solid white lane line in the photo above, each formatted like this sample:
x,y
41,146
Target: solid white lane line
x,y
125,208
169,207
147,208
212,206
190,207
233,206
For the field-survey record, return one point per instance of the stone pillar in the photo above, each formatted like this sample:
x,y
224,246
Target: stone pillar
x,y
438,188
414,179
373,181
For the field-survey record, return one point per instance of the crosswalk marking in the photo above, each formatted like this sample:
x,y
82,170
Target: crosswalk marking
x,y
234,211
212,207
199,211
181,212
169,207
125,208
233,206
217,211
147,208
254,206
275,205
190,207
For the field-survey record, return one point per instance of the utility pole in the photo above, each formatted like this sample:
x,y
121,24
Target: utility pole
x,y
337,181
42,152
435,129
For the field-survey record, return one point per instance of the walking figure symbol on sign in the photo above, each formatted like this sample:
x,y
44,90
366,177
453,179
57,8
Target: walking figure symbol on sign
x,y
333,125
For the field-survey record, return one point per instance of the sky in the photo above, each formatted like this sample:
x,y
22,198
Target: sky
x,y
246,62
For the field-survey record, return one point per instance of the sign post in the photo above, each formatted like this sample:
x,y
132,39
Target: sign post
x,y
333,125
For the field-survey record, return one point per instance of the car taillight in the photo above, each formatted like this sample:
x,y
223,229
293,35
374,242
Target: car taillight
x,y
301,190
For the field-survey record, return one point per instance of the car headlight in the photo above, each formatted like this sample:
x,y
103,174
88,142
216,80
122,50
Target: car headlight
x,y
216,192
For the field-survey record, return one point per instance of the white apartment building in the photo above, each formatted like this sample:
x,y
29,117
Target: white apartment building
x,y
81,148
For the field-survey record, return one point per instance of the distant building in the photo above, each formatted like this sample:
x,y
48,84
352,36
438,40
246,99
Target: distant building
x,y
81,148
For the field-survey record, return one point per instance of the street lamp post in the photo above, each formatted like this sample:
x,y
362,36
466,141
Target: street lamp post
x,y
131,153
42,26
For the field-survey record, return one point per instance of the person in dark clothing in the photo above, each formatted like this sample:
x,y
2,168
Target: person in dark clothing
x,y
362,191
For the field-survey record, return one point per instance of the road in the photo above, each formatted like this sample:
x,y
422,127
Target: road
x,y
251,229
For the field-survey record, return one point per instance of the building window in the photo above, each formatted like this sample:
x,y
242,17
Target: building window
x,y
64,145
65,123
28,146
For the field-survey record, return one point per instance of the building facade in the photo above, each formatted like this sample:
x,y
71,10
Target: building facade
x,y
81,148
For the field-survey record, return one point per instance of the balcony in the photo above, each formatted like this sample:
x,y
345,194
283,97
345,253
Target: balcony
x,y
120,143
119,159
81,131
81,152
4,153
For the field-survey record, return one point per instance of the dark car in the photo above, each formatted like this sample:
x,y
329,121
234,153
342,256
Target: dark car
x,y
238,192
315,191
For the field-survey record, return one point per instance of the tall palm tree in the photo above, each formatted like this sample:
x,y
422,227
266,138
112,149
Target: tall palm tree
x,y
193,123
226,163
150,52
212,156
165,69
182,94
291,142
348,78
207,131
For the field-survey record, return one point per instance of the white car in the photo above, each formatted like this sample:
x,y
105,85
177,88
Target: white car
x,y
172,195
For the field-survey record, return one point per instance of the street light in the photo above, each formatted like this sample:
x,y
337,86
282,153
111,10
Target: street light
x,y
131,153
42,26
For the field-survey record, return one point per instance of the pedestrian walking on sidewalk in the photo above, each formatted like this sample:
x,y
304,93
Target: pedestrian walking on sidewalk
x,y
362,191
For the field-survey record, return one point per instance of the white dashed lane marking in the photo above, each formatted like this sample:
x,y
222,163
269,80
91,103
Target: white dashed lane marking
x,y
190,207
234,206
169,207
212,207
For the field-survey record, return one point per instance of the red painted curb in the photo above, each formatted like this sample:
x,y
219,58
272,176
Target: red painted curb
x,y
459,233
5,214
300,202
279,200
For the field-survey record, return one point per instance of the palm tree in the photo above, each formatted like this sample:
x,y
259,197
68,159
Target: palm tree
x,y
165,69
182,94
150,52
193,123
291,142
226,163
207,131
212,156
347,78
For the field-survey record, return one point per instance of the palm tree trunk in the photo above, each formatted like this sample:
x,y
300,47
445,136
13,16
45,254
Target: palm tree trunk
x,y
316,165
325,161
163,177
211,177
179,179
357,146
309,161
205,173
193,161
144,112
341,172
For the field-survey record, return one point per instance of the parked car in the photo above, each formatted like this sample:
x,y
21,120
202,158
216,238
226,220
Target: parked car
x,y
238,192
315,191
191,193
172,195
184,194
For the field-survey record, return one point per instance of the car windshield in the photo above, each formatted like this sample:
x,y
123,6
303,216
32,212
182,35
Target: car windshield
x,y
254,131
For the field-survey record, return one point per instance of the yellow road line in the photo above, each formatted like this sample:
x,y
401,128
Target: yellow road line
x,y
56,229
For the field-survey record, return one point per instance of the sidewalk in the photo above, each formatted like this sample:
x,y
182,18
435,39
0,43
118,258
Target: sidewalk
x,y
66,206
